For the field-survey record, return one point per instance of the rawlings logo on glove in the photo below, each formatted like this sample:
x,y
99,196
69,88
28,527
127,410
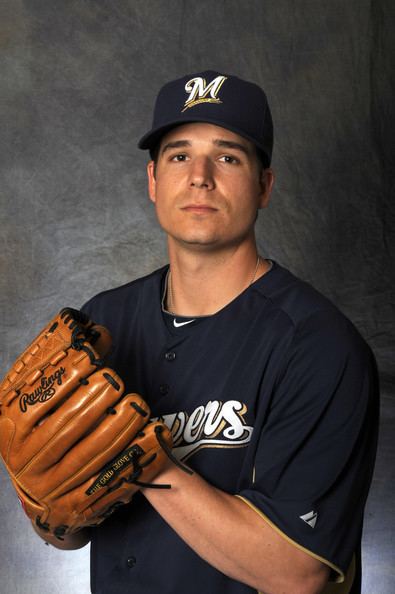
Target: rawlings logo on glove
x,y
45,390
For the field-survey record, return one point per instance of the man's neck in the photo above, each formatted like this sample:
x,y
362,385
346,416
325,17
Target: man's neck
x,y
203,283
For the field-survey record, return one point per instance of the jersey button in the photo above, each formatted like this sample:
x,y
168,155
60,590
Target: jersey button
x,y
164,389
131,562
170,356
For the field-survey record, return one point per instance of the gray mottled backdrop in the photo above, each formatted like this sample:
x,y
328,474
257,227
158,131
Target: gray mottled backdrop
x,y
77,84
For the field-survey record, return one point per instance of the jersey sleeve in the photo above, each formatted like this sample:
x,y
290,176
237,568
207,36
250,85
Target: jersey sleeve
x,y
315,448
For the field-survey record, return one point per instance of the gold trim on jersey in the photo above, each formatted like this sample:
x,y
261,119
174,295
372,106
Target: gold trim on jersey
x,y
342,582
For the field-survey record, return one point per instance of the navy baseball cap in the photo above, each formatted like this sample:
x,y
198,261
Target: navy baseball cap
x,y
215,98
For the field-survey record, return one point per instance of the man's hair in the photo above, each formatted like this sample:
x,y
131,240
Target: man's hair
x,y
154,152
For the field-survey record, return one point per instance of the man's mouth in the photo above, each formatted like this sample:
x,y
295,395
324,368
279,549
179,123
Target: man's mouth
x,y
199,208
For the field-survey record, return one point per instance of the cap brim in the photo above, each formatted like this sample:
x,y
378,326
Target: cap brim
x,y
151,139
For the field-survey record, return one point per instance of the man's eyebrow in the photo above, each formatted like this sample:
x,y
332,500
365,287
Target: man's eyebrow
x,y
228,144
175,144
232,145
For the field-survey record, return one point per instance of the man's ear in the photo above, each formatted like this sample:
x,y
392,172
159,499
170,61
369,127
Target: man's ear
x,y
266,181
151,180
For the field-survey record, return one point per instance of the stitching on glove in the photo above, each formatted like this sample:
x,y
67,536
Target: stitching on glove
x,y
140,410
112,381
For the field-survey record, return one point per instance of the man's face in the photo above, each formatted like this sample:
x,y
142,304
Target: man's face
x,y
207,187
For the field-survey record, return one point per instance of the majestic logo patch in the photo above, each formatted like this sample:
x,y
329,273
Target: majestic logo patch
x,y
310,518
201,92
44,391
215,425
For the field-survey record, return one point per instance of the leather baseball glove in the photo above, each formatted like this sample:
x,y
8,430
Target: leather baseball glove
x,y
74,445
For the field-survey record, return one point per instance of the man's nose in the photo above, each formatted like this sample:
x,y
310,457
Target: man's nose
x,y
201,173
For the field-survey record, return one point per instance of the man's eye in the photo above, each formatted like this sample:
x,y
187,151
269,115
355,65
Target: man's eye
x,y
179,158
229,159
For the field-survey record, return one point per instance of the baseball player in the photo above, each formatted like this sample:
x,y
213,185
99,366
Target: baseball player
x,y
269,392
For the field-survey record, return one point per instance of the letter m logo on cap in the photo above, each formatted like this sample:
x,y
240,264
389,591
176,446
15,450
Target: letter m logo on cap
x,y
201,92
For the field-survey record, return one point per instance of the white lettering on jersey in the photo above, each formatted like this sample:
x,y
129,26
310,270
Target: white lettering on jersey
x,y
198,90
217,424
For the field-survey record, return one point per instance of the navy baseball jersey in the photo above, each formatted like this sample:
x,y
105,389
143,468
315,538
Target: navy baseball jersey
x,y
273,399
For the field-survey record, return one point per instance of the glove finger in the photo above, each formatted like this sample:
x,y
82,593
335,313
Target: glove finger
x,y
119,480
140,462
35,356
22,431
72,420
98,448
55,337
95,499
102,340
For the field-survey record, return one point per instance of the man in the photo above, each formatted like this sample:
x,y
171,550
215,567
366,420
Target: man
x,y
268,389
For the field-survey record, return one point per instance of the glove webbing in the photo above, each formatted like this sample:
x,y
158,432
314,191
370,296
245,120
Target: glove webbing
x,y
73,318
